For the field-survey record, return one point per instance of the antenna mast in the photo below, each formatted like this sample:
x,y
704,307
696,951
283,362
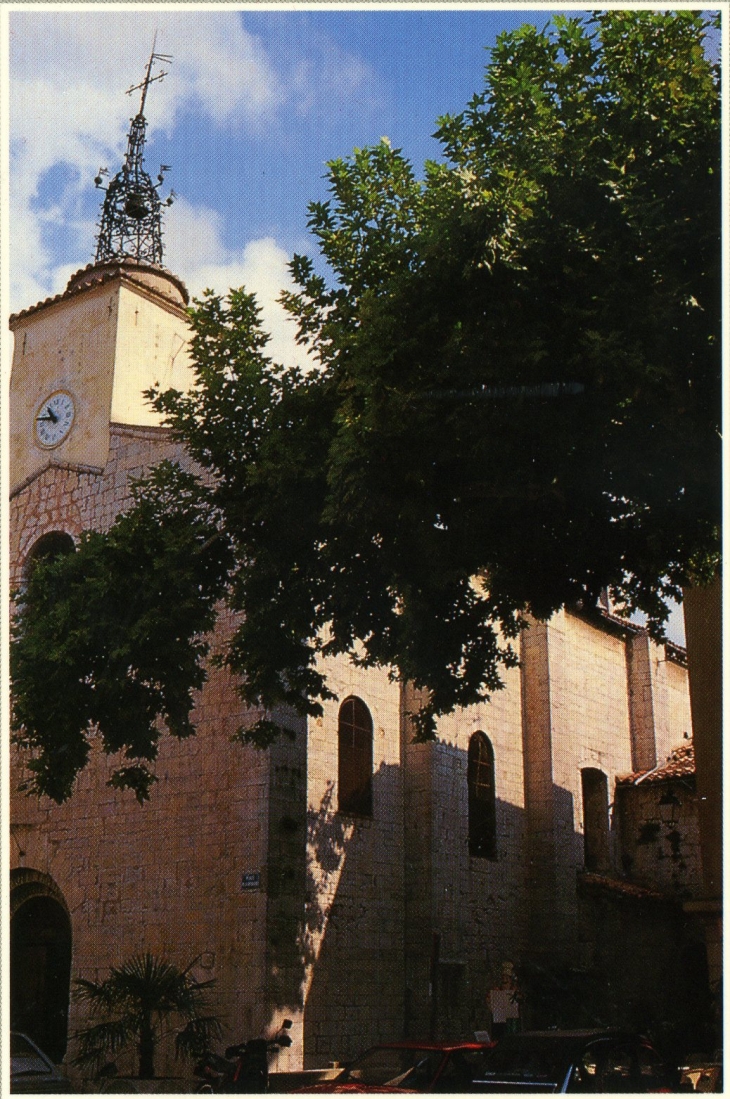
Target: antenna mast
x,y
131,216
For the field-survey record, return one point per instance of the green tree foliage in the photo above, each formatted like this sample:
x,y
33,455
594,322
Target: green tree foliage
x,y
516,397
110,640
138,1003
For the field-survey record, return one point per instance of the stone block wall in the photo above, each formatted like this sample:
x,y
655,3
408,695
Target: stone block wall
x,y
478,905
286,885
660,841
590,730
678,722
575,717
658,699
589,703
359,929
73,500
648,967
419,853
543,925
353,935
165,877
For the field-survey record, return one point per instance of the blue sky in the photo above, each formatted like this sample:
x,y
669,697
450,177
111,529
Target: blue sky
x,y
255,103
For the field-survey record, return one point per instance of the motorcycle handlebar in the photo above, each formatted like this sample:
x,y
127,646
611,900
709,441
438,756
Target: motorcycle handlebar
x,y
280,1040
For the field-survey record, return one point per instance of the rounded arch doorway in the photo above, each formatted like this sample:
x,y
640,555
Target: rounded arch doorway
x,y
40,961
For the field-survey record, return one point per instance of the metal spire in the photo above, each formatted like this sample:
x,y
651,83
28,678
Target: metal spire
x,y
131,216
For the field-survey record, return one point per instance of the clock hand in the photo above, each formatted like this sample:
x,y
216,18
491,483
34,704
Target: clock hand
x,y
51,416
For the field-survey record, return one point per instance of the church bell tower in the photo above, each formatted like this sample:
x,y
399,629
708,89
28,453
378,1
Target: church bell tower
x,y
83,359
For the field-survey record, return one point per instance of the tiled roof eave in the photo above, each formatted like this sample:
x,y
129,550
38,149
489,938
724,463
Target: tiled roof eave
x,y
623,627
680,767
92,282
619,888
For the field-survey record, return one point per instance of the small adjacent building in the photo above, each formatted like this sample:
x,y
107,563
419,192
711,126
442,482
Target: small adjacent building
x,y
659,825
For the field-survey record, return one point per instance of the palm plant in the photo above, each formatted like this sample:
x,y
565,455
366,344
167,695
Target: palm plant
x,y
139,1002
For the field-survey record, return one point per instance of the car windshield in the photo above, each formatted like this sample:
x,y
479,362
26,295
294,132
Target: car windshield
x,y
25,1058
539,1059
394,1067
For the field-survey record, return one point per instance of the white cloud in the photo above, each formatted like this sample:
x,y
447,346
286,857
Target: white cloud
x,y
68,74
227,74
194,244
330,77
69,116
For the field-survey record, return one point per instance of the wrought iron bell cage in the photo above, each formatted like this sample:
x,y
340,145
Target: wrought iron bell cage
x,y
131,215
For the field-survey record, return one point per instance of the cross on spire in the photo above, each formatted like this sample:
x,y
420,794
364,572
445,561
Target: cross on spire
x,y
131,215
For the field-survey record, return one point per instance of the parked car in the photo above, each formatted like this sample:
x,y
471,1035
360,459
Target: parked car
x,y
31,1071
410,1067
701,1073
607,1061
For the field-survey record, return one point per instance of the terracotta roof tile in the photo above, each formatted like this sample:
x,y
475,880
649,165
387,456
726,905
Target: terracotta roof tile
x,y
680,764
108,271
619,887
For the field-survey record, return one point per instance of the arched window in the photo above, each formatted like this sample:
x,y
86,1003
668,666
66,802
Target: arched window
x,y
47,548
595,819
355,758
482,798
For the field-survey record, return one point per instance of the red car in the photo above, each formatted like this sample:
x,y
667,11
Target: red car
x,y
411,1067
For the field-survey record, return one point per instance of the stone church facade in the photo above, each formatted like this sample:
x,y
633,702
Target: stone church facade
x,y
360,884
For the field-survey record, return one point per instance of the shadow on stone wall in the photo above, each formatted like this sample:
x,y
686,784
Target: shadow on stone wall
x,y
352,937
338,946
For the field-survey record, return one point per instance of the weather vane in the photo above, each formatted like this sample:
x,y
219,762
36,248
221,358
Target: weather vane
x,y
131,216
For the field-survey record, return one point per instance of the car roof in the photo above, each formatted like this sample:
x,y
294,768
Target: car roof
x,y
18,1038
578,1034
432,1044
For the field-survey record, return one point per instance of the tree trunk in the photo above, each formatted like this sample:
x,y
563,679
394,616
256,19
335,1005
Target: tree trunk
x,y
146,1051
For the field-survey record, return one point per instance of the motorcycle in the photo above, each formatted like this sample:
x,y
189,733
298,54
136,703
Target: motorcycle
x,y
244,1068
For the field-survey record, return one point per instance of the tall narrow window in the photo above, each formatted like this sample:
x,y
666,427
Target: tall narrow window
x,y
595,819
355,758
482,798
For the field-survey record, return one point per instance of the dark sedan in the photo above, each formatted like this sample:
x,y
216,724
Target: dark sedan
x,y
31,1072
410,1066
607,1061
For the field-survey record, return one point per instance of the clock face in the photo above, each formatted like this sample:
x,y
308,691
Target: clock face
x,y
54,419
